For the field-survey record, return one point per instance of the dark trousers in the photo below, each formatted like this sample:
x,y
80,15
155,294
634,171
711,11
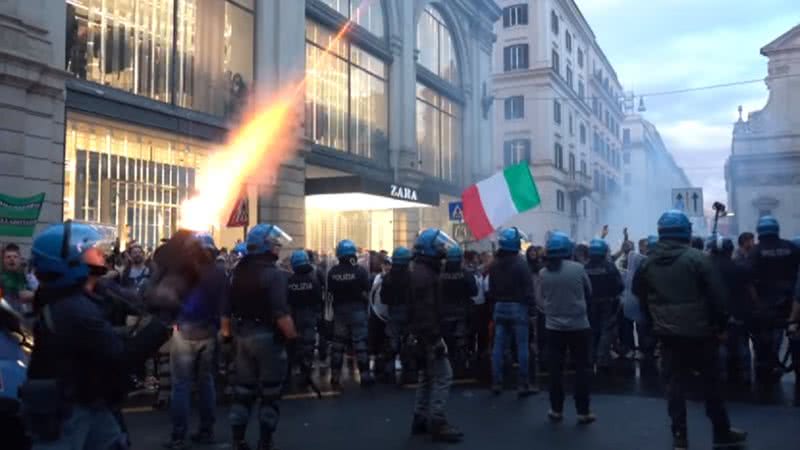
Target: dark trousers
x,y
626,341
682,356
578,342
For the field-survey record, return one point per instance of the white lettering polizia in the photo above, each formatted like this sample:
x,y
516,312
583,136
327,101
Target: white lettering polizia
x,y
404,193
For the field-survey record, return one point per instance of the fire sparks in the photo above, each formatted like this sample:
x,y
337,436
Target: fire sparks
x,y
256,151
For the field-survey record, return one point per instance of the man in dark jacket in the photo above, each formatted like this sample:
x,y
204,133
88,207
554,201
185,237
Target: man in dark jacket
x,y
305,300
424,327
396,295
775,263
511,292
458,288
607,286
683,297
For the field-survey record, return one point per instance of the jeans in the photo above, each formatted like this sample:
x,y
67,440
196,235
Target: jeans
x,y
647,341
261,364
510,322
187,358
87,429
604,330
349,324
435,380
682,356
396,331
578,343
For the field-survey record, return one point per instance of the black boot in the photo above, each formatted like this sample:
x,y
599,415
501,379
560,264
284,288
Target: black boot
x,y
441,431
238,437
732,438
265,443
680,441
419,425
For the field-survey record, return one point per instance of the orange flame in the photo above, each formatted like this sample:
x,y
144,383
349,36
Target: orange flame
x,y
261,144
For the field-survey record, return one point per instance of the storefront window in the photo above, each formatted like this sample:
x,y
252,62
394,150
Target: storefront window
x,y
128,177
438,134
366,13
130,45
370,230
435,45
346,96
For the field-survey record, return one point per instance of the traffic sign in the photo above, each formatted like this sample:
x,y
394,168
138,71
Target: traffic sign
x,y
461,232
688,200
240,215
456,211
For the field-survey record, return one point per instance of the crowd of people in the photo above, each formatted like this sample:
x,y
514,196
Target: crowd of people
x,y
270,319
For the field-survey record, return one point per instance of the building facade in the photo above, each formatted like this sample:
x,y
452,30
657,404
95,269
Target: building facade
x,y
558,106
762,173
649,175
121,103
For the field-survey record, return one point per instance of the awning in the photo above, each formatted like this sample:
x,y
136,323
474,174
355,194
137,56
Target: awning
x,y
355,193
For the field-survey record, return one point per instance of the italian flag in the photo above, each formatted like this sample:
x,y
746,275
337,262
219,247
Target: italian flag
x,y
496,200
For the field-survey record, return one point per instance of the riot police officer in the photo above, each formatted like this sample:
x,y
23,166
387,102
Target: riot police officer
x,y
607,286
684,299
348,285
436,375
510,290
458,288
263,327
79,362
396,294
305,300
775,263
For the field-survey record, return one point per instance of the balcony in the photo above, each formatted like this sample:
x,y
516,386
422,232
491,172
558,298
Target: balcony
x,y
579,184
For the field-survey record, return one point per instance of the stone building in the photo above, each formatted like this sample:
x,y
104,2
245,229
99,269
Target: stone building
x,y
112,108
762,173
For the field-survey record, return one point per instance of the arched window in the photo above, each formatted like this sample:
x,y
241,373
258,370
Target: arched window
x,y
366,13
347,90
439,115
437,52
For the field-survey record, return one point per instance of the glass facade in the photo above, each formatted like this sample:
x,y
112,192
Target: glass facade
x,y
128,177
196,54
371,229
366,13
438,53
438,134
347,106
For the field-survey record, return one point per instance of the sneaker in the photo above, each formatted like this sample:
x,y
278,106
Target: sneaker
x,y
176,444
554,416
419,425
441,431
526,390
680,441
732,438
205,437
586,419
497,389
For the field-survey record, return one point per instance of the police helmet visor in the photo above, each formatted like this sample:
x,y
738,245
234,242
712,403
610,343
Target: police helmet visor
x,y
278,238
444,241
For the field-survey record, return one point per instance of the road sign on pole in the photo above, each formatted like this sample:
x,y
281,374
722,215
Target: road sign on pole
x,y
240,215
688,200
456,210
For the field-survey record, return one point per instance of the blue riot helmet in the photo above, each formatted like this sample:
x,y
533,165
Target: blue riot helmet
x,y
598,248
265,238
433,243
558,246
346,249
768,226
401,256
299,259
652,240
240,249
796,241
674,224
58,253
206,241
454,254
510,239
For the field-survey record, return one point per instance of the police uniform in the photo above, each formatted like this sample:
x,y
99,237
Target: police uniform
x,y
607,286
305,300
396,294
348,285
774,262
257,299
458,287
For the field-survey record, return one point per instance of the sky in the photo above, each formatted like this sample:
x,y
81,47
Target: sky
x,y
662,45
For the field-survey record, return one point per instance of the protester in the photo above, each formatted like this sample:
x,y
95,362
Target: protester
x,y
14,282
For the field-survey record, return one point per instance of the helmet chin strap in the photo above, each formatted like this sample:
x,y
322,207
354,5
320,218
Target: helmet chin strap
x,y
65,240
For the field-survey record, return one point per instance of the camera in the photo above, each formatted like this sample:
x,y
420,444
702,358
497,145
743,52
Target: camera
x,y
719,208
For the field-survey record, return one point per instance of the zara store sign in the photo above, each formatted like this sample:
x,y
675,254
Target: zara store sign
x,y
403,192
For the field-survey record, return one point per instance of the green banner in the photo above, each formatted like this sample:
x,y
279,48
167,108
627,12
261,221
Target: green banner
x,y
18,215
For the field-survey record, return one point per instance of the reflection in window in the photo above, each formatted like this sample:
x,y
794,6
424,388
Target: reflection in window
x,y
438,133
436,48
367,13
346,96
128,177
128,44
